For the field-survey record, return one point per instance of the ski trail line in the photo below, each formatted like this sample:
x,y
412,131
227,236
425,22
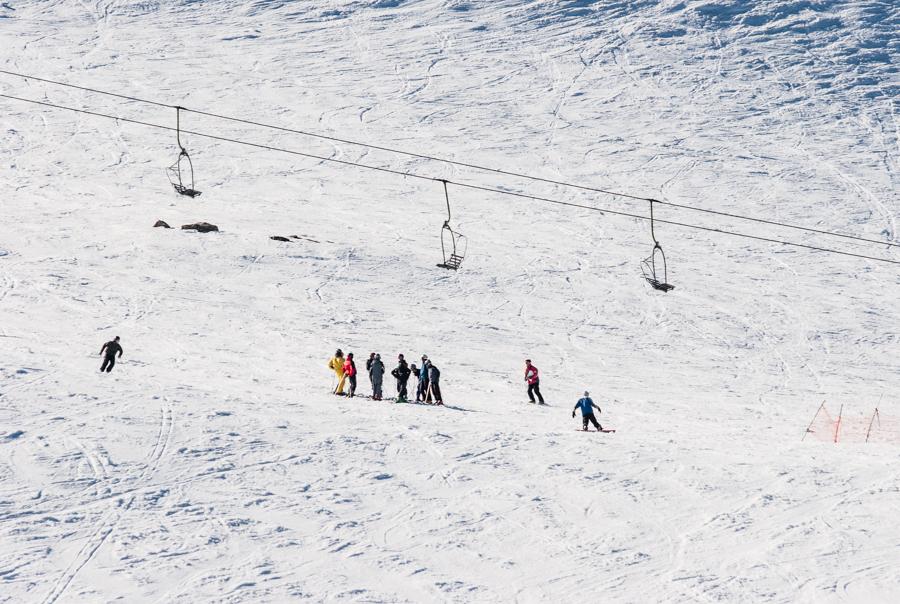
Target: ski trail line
x,y
111,519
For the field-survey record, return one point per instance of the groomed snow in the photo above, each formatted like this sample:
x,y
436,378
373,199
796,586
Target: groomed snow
x,y
213,465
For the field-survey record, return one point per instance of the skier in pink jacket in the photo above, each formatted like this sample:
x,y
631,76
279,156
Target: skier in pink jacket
x,y
534,383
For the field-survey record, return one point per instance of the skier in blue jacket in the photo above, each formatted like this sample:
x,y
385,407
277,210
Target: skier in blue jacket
x,y
422,391
587,412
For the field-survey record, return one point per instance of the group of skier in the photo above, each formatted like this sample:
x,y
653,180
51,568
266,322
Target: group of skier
x,y
428,389
428,376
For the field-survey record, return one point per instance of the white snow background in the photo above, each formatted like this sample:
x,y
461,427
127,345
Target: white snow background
x,y
213,465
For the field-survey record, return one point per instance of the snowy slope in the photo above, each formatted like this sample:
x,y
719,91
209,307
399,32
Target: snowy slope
x,y
213,465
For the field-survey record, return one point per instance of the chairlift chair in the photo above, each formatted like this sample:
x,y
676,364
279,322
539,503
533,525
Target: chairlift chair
x,y
175,172
649,265
452,241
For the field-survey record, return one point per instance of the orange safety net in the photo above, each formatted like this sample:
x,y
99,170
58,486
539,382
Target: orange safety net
x,y
874,427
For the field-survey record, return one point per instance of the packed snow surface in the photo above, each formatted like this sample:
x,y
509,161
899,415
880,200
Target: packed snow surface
x,y
214,465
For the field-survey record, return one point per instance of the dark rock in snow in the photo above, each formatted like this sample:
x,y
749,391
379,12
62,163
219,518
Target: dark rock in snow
x,y
201,227
162,223
279,238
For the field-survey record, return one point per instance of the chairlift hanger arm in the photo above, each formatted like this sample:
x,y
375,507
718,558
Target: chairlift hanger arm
x,y
652,231
178,128
447,199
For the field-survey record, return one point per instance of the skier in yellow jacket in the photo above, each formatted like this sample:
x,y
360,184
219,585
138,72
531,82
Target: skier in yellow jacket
x,y
336,364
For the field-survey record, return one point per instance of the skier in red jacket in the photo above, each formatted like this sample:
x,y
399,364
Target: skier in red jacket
x,y
350,372
534,383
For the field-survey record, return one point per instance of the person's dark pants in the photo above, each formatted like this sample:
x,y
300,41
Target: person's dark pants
x,y
108,364
436,392
533,389
401,389
590,418
422,392
376,388
353,386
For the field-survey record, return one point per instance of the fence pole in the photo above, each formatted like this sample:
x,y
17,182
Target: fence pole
x,y
813,420
837,426
874,416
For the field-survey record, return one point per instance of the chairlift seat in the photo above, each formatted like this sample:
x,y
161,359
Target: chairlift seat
x,y
175,177
649,269
452,262
186,191
663,287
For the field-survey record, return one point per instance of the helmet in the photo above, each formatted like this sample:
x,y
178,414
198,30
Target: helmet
x,y
586,393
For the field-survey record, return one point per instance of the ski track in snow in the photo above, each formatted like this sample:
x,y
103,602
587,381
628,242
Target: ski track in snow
x,y
212,465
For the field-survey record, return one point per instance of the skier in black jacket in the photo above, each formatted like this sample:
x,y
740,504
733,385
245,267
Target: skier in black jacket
x,y
434,386
414,372
401,372
369,362
110,349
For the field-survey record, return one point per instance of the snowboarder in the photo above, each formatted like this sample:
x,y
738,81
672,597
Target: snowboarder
x,y
401,373
336,364
534,383
434,386
587,412
376,374
350,372
110,349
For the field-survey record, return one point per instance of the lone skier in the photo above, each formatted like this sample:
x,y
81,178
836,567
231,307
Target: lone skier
x,y
587,412
534,383
336,364
110,349
376,374
350,372
401,373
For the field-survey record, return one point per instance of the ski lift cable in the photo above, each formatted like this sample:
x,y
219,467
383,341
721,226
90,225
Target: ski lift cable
x,y
456,183
462,163
675,223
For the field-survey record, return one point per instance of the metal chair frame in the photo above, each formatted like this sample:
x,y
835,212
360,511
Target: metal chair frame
x,y
451,240
174,171
648,265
